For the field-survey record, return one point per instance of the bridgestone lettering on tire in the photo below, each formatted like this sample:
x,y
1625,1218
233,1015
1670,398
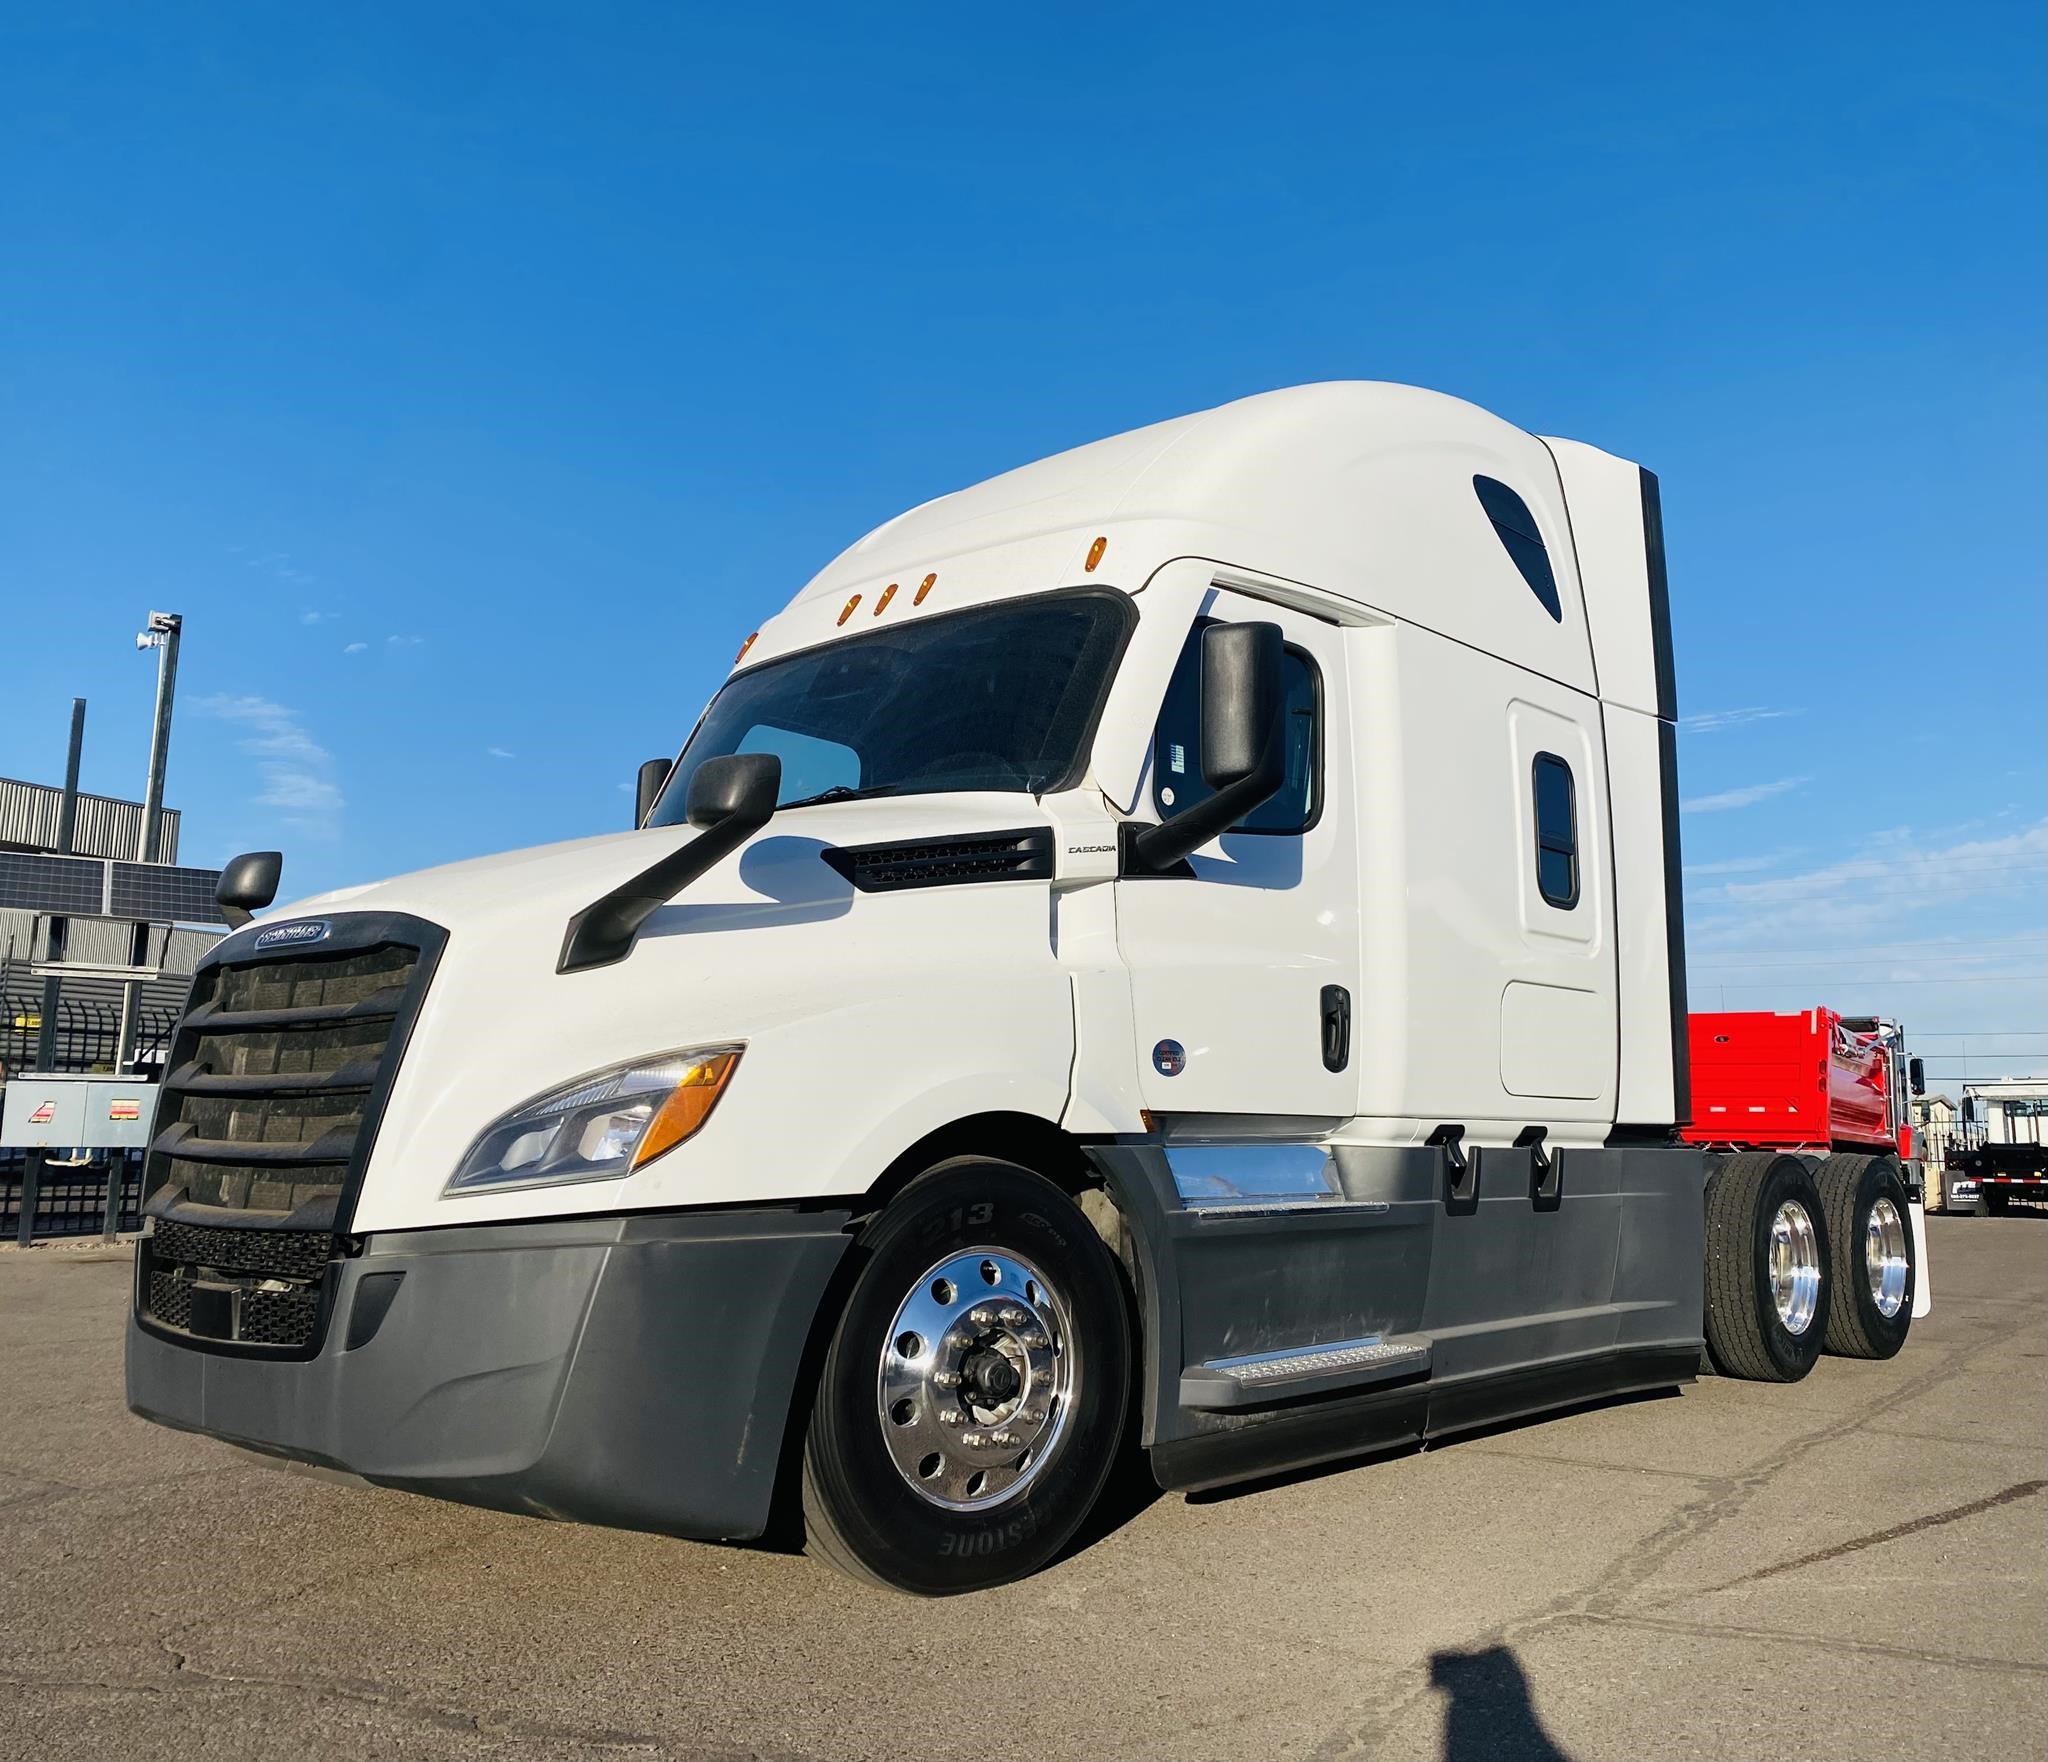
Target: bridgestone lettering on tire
x,y
1870,1230
973,1396
1767,1244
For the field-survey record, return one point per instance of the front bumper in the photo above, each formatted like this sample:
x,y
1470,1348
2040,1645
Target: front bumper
x,y
636,1371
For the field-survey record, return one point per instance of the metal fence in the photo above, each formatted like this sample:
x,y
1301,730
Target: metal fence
x,y
71,1201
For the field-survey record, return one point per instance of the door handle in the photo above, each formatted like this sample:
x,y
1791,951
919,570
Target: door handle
x,y
1336,1027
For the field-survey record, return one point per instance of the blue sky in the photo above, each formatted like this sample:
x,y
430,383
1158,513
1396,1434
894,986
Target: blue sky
x,y
473,378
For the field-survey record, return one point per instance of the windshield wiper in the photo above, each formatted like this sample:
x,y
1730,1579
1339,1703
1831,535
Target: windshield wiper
x,y
838,792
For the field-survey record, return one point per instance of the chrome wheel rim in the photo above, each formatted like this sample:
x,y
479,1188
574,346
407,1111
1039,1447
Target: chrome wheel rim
x,y
1884,1257
1795,1266
976,1379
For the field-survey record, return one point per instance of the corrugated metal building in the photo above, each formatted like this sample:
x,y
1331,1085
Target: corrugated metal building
x,y
106,827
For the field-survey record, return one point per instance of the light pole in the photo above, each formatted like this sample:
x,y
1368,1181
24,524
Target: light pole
x,y
163,633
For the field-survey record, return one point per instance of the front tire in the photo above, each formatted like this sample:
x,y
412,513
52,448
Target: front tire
x,y
973,1396
1768,1268
1870,1230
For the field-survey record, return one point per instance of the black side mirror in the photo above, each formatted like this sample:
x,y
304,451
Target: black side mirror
x,y
729,800
1916,1076
1244,740
247,885
739,786
653,775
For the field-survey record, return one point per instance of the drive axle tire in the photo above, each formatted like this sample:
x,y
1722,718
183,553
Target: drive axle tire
x,y
973,1396
1870,1233
1768,1268
1995,1203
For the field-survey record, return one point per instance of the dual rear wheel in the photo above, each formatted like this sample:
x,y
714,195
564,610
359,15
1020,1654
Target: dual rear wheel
x,y
1803,1259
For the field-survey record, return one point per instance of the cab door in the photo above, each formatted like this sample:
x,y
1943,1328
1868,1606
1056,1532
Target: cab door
x,y
1244,965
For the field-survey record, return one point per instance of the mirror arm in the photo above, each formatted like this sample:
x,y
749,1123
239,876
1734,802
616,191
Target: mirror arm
x,y
603,931
235,917
1158,848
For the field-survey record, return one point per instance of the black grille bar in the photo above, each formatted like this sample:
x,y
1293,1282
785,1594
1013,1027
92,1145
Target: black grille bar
x,y
378,1006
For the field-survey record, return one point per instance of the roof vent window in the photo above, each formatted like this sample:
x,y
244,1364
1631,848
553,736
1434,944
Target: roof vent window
x,y
1516,528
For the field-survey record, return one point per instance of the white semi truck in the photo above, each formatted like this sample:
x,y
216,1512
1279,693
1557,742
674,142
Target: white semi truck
x,y
1177,946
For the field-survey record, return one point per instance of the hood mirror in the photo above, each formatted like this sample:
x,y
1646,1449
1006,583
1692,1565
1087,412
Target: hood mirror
x,y
729,800
247,885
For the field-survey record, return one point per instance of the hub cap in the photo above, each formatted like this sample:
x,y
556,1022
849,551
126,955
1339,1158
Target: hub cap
x,y
1884,1257
1795,1267
976,1379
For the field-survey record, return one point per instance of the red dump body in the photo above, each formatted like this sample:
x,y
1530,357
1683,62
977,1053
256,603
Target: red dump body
x,y
1773,1082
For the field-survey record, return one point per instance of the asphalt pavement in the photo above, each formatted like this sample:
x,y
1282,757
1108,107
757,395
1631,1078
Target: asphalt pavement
x,y
1855,1566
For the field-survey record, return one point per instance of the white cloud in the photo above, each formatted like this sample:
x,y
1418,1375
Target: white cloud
x,y
355,648
1890,879
1732,866
404,642
297,771
1713,721
318,617
498,752
1747,796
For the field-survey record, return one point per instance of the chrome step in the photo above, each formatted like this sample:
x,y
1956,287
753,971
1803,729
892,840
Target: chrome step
x,y
1303,1370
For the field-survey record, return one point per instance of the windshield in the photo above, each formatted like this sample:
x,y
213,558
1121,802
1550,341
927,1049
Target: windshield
x,y
997,697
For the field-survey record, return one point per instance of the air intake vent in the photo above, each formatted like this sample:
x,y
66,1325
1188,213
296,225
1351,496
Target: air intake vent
x,y
947,862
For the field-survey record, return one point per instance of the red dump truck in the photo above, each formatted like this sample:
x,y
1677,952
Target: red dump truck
x,y
1832,1090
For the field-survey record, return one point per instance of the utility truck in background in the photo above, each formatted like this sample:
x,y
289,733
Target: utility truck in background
x,y
1175,946
2002,1153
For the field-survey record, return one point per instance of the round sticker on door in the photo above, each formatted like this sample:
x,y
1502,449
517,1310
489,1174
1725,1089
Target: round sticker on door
x,y
1169,1058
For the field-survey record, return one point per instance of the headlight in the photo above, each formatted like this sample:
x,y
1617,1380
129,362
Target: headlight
x,y
601,1126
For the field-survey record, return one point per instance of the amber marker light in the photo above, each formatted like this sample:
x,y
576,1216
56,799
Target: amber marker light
x,y
848,612
888,594
1095,555
924,587
689,1104
742,655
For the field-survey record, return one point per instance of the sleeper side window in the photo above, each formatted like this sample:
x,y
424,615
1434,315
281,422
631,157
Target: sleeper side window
x,y
1557,832
1177,755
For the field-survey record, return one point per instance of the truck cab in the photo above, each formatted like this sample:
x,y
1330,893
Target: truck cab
x,y
1176,946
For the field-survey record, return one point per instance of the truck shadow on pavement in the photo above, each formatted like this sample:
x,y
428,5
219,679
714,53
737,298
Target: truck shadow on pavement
x,y
1491,1717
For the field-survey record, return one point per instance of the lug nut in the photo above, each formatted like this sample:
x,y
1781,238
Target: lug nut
x,y
946,1379
1002,1440
949,1416
1012,1317
982,1317
1032,1416
1036,1342
973,1440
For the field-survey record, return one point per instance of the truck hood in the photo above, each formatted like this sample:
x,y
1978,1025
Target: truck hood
x,y
781,865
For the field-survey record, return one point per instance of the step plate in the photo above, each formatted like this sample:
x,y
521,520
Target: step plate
x,y
1308,1370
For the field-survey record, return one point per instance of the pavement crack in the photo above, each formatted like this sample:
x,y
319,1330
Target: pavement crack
x,y
1778,1636
1933,1520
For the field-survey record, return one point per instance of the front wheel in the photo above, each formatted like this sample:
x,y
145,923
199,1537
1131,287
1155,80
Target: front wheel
x,y
973,1396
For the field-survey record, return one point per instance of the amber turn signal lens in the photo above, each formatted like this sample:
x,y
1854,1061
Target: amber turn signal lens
x,y
848,612
689,1105
923,587
742,655
1095,555
888,594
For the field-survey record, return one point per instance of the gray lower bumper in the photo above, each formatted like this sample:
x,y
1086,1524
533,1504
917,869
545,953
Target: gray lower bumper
x,y
636,1371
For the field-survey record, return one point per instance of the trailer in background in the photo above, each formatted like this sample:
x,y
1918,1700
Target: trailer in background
x,y
1834,1091
2004,1144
